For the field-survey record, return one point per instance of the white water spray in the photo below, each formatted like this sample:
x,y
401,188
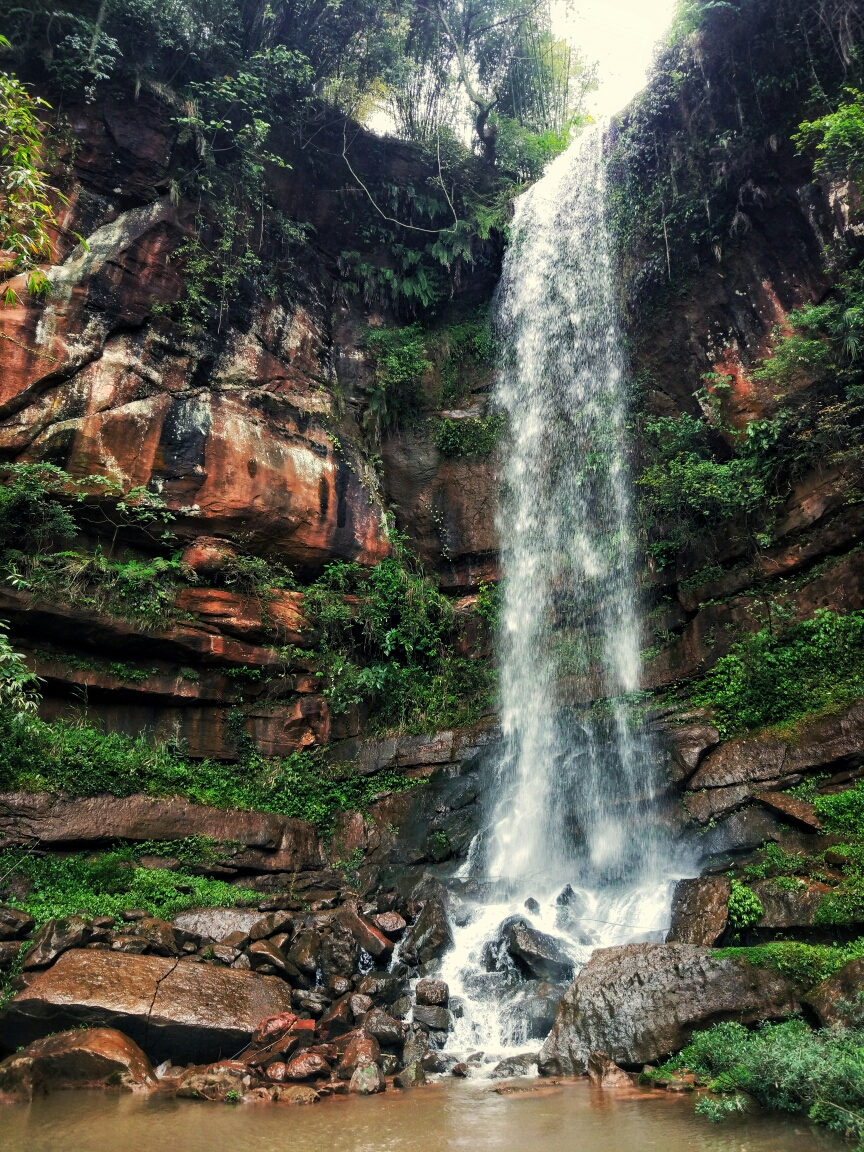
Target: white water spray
x,y
577,782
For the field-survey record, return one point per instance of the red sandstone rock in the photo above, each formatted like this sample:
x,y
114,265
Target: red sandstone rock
x,y
786,805
605,1073
700,911
82,1058
390,923
306,1066
361,1049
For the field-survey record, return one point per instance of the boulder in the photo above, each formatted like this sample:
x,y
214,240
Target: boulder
x,y
390,923
338,1021
294,1094
640,1002
700,911
215,924
173,1010
339,954
214,1082
839,1000
367,936
801,811
605,1073
411,1077
359,1005
271,924
520,1065
306,1066
384,988
159,935
56,937
433,1018
432,992
362,1049
538,952
9,950
688,743
15,923
265,952
429,936
82,1058
272,1027
416,1046
304,951
387,1031
786,908
367,1080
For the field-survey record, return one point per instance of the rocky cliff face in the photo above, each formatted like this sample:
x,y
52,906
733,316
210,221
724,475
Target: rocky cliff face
x,y
249,432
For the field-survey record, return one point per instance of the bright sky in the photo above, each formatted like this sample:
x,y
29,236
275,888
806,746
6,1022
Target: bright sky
x,y
620,35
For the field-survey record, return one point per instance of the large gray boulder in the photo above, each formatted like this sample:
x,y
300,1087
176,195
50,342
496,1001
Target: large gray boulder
x,y
640,1002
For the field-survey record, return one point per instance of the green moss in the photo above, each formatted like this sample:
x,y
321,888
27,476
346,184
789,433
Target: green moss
x,y
83,761
807,964
745,907
472,437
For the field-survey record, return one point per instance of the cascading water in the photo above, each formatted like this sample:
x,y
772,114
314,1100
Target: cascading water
x,y
574,829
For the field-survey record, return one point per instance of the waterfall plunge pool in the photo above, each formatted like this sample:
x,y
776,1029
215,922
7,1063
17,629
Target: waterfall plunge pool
x,y
448,1116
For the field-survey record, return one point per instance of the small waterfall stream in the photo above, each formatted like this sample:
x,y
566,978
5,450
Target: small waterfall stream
x,y
573,829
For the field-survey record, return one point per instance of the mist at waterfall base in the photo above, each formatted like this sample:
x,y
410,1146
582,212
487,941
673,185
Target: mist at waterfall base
x,y
576,827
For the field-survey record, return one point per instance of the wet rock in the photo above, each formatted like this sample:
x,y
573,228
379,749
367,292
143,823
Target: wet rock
x,y
214,1082
521,1065
339,954
390,923
800,811
605,1073
297,1094
14,923
304,1031
359,1005
270,924
401,1007
640,1002
532,1007
384,988
212,925
416,1046
338,985
338,1020
432,992
238,940
785,909
272,1027
839,1000
9,950
411,1077
306,1066
362,1050
700,911
432,1018
83,1058
56,937
538,952
430,936
159,934
304,951
366,935
265,952
185,1012
387,1031
389,1063
434,1062
688,744
460,1069
367,1080
315,1003
532,906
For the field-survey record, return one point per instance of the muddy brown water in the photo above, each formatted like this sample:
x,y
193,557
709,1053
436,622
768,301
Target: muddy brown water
x,y
444,1117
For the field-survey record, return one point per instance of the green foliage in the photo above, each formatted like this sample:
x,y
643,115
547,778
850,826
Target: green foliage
x,y
838,138
31,514
697,151
108,883
465,354
745,907
806,964
83,761
26,211
399,363
778,677
843,811
388,646
476,438
786,1067
488,607
19,691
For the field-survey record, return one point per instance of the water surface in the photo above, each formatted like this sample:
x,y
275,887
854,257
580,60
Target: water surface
x,y
439,1118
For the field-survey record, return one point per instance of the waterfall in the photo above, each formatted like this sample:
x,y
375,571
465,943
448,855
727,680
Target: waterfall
x,y
574,828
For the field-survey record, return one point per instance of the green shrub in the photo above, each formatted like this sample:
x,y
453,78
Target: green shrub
x,y
838,138
471,437
777,677
399,363
745,907
83,761
106,884
844,811
786,1067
